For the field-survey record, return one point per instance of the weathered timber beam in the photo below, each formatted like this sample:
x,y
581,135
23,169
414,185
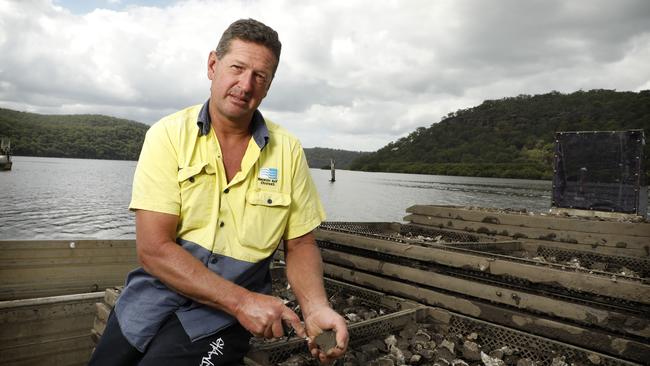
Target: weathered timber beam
x,y
44,244
531,245
617,241
42,321
57,267
579,281
534,221
66,351
534,324
85,259
605,319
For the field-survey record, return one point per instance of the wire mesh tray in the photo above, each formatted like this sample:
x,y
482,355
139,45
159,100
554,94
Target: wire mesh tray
x,y
362,295
272,352
403,232
632,268
538,349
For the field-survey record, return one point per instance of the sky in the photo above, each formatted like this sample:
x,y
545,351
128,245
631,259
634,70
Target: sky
x,y
353,75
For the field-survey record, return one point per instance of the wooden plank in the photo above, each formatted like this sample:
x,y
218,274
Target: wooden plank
x,y
551,222
73,273
580,313
27,291
53,300
617,241
65,352
531,245
530,323
47,256
49,268
45,244
53,330
579,281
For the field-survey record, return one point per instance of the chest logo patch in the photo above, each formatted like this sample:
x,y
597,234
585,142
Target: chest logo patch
x,y
268,176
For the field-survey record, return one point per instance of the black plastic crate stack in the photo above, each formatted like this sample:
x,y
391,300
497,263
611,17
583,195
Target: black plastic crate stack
x,y
600,170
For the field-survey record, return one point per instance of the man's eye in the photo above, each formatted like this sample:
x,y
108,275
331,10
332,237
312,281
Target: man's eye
x,y
260,78
236,67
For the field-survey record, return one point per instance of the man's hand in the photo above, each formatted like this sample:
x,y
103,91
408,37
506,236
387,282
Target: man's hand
x,y
322,319
262,315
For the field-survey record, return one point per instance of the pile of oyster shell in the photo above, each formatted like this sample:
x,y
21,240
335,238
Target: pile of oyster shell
x,y
576,263
420,344
353,308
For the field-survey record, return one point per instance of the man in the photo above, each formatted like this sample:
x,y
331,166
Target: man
x,y
217,187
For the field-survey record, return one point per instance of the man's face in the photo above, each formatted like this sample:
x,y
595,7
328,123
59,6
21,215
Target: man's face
x,y
240,80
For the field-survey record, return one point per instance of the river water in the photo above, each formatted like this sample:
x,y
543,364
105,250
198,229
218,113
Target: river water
x,y
53,198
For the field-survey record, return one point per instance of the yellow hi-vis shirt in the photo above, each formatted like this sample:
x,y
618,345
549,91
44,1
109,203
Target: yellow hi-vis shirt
x,y
273,197
233,227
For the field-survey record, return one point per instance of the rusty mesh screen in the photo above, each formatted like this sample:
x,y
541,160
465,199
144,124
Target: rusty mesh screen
x,y
539,349
611,263
272,353
492,336
407,232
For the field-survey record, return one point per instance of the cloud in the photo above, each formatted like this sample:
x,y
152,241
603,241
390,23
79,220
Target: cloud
x,y
353,75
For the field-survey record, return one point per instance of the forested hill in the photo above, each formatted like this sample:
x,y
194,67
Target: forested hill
x,y
101,137
510,137
319,157
72,136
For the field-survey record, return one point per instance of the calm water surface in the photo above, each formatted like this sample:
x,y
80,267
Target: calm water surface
x,y
52,198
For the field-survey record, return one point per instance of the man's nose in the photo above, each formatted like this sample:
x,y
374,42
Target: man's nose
x,y
246,81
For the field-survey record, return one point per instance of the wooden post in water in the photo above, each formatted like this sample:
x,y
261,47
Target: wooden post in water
x,y
333,179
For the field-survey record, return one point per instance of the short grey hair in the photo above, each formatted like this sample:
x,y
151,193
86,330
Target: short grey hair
x,y
250,30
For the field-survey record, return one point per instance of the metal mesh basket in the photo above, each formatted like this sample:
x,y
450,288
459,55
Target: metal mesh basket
x,y
363,295
402,233
539,349
613,263
271,353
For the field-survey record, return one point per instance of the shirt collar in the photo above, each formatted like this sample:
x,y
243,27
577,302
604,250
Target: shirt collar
x,y
259,130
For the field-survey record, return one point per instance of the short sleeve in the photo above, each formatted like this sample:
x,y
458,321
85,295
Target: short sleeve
x,y
155,182
306,211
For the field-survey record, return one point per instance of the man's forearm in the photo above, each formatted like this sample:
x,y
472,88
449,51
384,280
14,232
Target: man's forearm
x,y
305,272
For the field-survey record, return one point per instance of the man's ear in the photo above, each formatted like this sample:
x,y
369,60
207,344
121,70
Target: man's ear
x,y
212,63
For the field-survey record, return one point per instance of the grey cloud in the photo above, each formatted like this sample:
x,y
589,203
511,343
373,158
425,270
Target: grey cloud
x,y
353,75
294,95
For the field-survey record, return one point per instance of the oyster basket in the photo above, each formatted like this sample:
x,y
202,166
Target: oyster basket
x,y
364,296
273,353
539,349
402,232
401,311
412,234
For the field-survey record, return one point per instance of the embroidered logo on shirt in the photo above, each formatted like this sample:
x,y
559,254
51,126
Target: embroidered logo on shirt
x,y
217,350
268,176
